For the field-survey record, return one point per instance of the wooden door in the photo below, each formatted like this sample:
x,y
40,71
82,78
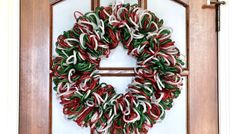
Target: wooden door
x,y
200,70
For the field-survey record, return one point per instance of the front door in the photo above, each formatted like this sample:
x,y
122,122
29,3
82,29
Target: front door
x,y
195,111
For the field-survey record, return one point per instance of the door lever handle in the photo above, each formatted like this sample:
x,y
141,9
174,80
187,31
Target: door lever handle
x,y
216,2
213,4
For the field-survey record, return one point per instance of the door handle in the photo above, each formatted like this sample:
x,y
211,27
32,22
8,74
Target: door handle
x,y
209,2
215,5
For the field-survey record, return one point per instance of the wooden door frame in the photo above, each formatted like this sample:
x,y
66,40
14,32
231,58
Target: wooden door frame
x,y
35,56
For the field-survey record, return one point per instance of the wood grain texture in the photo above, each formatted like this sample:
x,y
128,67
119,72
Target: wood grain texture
x,y
94,4
116,71
34,67
203,98
143,3
52,2
183,2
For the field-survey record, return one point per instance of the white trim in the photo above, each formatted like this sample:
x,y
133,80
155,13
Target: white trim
x,y
226,68
9,66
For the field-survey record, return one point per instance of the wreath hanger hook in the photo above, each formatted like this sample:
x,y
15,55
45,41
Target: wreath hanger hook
x,y
119,2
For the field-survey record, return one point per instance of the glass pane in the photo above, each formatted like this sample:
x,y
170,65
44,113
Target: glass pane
x,y
63,16
119,83
63,20
118,58
174,16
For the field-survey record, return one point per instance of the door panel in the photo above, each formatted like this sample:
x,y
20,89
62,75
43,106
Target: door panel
x,y
203,97
195,111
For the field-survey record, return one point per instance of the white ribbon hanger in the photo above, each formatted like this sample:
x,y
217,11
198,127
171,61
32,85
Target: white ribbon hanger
x,y
119,2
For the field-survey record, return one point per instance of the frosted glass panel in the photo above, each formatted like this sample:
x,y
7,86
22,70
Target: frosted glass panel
x,y
173,15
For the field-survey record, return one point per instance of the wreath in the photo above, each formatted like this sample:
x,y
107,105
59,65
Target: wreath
x,y
158,75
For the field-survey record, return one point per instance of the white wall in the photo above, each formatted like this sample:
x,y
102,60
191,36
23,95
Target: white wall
x,y
226,68
9,66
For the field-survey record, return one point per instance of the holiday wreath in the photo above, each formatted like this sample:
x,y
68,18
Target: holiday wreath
x,y
157,81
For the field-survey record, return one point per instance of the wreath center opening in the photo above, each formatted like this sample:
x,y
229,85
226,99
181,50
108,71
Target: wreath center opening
x,y
119,59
